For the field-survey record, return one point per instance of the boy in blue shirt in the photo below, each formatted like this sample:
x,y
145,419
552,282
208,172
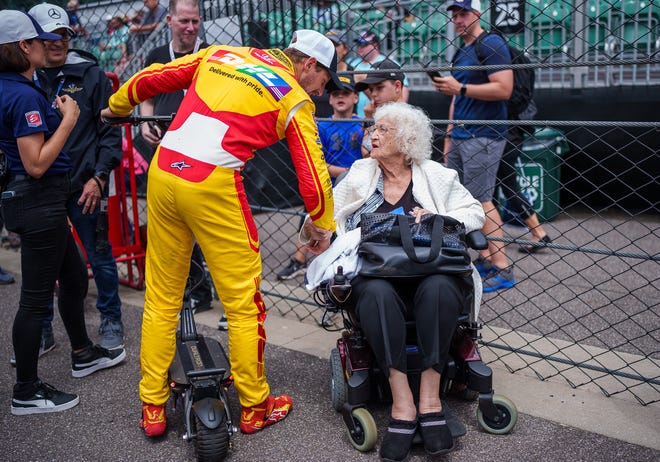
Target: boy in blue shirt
x,y
341,143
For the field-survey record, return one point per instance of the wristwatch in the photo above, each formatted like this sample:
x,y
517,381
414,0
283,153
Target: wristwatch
x,y
463,89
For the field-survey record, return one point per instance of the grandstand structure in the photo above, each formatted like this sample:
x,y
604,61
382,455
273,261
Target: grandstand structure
x,y
552,32
575,43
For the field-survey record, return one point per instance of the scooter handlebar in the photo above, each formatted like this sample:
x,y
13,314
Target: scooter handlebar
x,y
137,119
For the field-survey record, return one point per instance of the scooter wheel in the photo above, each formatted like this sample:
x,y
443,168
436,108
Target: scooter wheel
x,y
212,443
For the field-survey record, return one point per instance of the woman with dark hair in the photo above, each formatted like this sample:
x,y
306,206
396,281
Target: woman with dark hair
x,y
32,135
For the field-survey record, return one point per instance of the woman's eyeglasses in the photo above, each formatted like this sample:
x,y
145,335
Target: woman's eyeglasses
x,y
382,129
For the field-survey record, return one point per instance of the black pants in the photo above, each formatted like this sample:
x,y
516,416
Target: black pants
x,y
49,253
382,307
506,179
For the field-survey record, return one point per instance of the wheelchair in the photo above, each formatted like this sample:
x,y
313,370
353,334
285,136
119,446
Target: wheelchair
x,y
356,380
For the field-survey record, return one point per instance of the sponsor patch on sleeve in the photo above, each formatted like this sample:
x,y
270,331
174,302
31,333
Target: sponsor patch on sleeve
x,y
33,119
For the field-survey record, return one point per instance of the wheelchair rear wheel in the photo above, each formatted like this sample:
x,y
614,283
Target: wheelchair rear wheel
x,y
365,435
509,413
337,381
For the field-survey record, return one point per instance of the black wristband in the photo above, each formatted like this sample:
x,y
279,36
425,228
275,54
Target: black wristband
x,y
463,89
98,183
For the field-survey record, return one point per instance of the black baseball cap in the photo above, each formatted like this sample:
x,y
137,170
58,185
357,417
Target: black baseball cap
x,y
347,83
391,71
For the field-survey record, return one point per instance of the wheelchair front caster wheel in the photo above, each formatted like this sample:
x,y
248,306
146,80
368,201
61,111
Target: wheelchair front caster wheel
x,y
364,436
508,414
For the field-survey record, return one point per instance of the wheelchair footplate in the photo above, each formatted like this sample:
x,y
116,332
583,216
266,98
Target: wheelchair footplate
x,y
456,427
203,356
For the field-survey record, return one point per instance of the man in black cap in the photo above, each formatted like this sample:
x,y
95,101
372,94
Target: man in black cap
x,y
387,87
384,87
368,50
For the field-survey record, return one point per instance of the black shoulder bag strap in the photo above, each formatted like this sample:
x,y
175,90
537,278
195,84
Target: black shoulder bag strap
x,y
407,241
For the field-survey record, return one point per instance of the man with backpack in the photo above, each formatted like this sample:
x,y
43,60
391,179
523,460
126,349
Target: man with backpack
x,y
475,150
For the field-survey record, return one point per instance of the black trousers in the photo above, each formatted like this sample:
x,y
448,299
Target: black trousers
x,y
382,307
37,211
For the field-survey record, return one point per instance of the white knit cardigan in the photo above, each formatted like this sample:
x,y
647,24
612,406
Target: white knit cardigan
x,y
435,188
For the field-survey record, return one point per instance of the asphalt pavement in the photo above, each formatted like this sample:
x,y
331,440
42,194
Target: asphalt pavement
x,y
104,426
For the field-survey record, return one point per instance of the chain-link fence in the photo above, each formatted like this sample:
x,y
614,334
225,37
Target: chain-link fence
x,y
585,307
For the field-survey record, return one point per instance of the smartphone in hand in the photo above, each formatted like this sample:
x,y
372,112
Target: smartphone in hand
x,y
433,74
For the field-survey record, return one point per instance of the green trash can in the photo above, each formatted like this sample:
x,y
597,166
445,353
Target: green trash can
x,y
538,172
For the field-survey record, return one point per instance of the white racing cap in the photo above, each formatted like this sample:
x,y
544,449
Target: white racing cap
x,y
317,45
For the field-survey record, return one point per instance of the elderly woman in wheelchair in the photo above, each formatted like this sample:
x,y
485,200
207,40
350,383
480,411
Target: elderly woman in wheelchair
x,y
399,177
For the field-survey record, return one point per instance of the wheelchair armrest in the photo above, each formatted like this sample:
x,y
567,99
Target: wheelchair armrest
x,y
476,240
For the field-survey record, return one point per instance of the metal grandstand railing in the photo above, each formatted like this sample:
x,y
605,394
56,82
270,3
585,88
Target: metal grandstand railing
x,y
585,309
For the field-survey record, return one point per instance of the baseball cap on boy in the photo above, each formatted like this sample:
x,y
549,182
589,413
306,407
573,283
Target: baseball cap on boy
x,y
470,5
367,38
16,25
347,83
391,71
317,45
337,36
51,17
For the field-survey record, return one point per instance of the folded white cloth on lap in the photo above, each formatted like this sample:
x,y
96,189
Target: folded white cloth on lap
x,y
342,252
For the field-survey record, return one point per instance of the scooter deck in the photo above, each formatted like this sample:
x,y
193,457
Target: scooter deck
x,y
197,355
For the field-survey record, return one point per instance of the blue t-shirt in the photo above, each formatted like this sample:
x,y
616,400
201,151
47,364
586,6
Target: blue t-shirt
x,y
24,110
495,51
341,142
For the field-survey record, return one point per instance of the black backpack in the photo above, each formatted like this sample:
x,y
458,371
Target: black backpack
x,y
520,104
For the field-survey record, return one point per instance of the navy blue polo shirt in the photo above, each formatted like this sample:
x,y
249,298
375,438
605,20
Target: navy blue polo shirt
x,y
495,51
24,110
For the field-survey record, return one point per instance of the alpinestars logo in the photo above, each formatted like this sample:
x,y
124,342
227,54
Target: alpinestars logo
x,y
180,165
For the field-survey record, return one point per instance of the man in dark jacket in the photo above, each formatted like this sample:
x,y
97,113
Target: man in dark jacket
x,y
95,150
184,22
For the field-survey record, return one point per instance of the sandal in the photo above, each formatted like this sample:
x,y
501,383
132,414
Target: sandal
x,y
398,440
435,433
535,248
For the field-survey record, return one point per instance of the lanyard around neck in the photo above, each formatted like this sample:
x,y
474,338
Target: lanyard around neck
x,y
198,42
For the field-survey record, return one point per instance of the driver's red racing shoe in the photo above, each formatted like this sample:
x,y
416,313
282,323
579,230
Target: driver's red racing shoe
x,y
256,418
153,419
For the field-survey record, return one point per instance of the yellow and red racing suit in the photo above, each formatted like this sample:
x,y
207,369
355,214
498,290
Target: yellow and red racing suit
x,y
238,99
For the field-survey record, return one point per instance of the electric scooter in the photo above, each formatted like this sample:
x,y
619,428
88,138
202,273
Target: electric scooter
x,y
199,380
199,375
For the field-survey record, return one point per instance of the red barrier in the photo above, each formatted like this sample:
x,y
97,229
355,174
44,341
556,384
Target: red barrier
x,y
124,215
